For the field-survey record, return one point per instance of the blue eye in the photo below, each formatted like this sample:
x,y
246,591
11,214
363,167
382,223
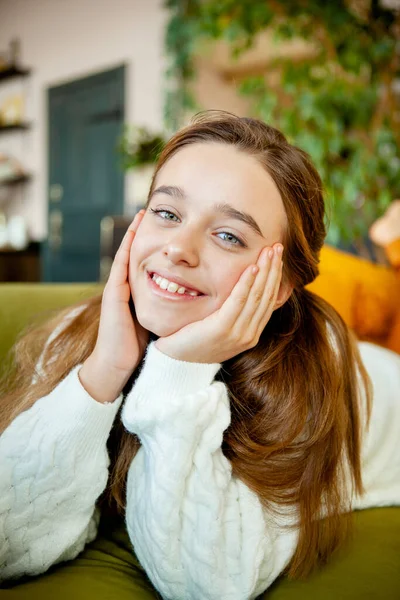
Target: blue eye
x,y
236,243
160,211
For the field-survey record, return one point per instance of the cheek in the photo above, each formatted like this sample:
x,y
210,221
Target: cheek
x,y
226,281
139,250
137,254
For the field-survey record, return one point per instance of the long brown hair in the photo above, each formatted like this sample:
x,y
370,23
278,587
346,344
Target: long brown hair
x,y
296,400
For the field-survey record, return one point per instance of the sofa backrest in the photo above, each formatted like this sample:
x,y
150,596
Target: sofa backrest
x,y
22,303
365,295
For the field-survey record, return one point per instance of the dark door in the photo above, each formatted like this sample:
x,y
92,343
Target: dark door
x,y
85,180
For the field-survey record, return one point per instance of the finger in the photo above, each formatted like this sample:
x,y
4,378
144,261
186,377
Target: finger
x,y
258,309
124,249
119,269
264,307
231,309
258,290
136,221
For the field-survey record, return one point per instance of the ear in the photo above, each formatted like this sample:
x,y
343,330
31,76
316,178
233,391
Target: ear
x,y
284,293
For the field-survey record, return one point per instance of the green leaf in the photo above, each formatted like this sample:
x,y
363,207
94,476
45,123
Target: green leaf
x,y
325,105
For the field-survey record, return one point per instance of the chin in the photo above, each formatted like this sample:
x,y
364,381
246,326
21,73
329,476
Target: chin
x,y
158,329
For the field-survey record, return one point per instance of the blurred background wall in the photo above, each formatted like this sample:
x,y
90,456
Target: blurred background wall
x,y
63,40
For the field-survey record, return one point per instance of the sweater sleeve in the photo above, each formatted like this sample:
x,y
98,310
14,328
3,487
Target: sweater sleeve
x,y
199,532
53,468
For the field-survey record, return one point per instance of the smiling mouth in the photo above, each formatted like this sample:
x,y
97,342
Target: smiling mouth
x,y
172,286
169,289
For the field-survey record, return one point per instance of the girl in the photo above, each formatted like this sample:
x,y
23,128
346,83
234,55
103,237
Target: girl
x,y
244,428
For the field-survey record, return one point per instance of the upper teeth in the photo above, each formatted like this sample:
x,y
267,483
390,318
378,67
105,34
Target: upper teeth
x,y
171,286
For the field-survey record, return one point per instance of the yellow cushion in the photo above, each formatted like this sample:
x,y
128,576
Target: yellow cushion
x,y
365,294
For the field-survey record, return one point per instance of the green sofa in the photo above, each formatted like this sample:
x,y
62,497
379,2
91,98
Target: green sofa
x,y
367,569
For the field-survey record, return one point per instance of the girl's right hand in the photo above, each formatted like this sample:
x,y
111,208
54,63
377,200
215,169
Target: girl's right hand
x,y
121,341
386,229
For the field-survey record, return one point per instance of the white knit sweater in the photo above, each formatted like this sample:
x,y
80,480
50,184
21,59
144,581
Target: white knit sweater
x,y
198,531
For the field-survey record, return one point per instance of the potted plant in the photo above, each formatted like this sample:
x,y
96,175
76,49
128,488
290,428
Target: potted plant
x,y
139,149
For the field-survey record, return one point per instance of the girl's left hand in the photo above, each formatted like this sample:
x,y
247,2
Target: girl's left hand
x,y
237,325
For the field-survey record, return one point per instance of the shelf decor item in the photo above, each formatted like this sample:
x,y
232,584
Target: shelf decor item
x,y
17,233
139,149
9,60
12,111
10,168
3,231
11,171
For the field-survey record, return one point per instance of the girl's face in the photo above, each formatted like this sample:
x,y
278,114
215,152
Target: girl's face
x,y
217,208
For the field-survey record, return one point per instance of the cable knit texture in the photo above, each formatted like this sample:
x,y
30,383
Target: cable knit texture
x,y
199,532
54,466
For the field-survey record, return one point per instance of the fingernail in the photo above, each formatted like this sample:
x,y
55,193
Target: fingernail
x,y
279,249
270,253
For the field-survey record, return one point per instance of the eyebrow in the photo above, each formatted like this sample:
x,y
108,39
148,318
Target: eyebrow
x,y
221,207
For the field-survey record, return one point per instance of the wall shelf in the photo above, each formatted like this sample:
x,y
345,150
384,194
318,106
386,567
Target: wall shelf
x,y
13,72
15,180
5,75
16,127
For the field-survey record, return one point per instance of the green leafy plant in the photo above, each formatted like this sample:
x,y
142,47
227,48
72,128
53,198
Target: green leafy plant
x,y
138,146
339,103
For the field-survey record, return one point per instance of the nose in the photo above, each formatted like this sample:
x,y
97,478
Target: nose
x,y
182,248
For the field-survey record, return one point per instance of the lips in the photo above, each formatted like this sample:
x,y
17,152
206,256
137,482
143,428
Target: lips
x,y
181,282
